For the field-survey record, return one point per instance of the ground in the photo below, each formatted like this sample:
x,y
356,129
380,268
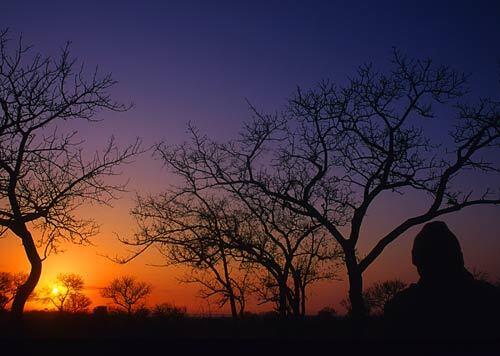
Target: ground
x,y
45,333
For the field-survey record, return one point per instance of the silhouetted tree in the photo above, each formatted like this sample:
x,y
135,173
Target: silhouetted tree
x,y
192,230
78,303
335,150
9,284
327,313
292,253
169,311
378,294
65,294
127,293
45,175
305,258
226,240
234,291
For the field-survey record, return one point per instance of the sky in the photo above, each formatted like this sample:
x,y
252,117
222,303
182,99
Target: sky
x,y
185,61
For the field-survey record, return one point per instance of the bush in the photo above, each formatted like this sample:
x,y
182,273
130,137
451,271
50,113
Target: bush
x,y
327,313
270,315
249,315
169,311
143,312
100,311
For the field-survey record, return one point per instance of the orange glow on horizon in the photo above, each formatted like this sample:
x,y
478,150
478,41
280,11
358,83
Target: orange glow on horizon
x,y
97,270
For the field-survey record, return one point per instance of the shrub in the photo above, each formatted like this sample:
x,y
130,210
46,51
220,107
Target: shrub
x,y
327,313
100,310
169,311
142,312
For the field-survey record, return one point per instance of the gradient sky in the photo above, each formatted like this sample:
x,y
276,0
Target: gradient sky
x,y
181,61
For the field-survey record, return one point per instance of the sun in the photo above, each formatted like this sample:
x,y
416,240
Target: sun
x,y
56,290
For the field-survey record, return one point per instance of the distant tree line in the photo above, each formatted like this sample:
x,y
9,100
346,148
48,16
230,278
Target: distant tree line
x,y
128,295
65,294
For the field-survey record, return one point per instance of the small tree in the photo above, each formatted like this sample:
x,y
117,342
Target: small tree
x,y
78,303
45,175
378,294
233,291
65,293
231,242
192,230
127,293
169,311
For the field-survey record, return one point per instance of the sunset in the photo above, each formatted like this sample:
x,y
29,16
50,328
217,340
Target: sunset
x,y
250,166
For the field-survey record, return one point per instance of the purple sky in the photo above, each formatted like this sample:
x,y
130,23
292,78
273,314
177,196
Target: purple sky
x,y
182,60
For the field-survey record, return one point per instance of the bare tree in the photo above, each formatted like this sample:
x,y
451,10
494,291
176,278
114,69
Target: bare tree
x,y
317,261
191,230
45,176
126,292
378,294
335,150
65,293
169,311
292,249
223,239
286,251
293,254
235,290
9,284
78,303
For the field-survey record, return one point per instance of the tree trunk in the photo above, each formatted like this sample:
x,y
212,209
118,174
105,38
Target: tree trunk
x,y
232,303
282,302
297,297
27,288
241,312
355,286
303,300
295,306
229,287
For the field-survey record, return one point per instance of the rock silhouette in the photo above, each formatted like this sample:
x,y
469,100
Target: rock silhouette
x,y
447,302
